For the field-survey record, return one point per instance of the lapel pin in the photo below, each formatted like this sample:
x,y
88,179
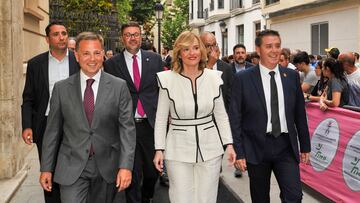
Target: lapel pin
x,y
147,59
285,75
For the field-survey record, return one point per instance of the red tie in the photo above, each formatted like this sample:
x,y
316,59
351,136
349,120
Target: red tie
x,y
89,105
136,74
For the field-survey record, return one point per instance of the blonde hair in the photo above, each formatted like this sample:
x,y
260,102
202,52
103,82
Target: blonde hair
x,y
185,39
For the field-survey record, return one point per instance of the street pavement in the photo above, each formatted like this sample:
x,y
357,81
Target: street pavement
x,y
231,189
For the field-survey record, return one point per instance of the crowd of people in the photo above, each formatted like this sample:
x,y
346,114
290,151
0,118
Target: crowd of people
x,y
106,122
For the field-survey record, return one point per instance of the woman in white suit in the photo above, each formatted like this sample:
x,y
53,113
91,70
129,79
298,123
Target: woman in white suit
x,y
199,126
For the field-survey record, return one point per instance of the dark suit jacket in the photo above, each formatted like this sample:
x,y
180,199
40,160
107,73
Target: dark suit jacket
x,y
36,92
247,65
248,116
148,93
167,62
112,131
227,77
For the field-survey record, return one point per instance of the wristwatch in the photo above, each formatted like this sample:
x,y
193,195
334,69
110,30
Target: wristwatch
x,y
308,96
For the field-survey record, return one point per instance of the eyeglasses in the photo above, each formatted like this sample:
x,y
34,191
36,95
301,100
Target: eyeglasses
x,y
211,46
129,35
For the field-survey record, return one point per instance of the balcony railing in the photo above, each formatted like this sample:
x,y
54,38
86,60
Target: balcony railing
x,y
256,1
236,4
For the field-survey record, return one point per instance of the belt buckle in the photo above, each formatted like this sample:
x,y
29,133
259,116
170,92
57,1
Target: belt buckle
x,y
138,120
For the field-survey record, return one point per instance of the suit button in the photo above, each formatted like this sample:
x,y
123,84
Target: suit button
x,y
87,151
91,132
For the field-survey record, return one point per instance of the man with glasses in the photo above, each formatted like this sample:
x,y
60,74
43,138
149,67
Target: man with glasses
x,y
138,68
213,53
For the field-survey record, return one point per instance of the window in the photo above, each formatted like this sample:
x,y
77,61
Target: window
x,y
224,47
256,1
192,10
211,5
220,3
240,34
200,13
319,38
257,28
236,4
268,2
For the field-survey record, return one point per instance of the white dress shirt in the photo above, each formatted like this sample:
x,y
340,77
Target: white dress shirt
x,y
58,70
129,63
265,78
94,86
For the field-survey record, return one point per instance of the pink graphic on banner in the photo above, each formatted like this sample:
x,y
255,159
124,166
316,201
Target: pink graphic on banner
x,y
334,168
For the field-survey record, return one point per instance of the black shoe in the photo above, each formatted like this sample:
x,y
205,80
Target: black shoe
x,y
147,200
237,173
164,180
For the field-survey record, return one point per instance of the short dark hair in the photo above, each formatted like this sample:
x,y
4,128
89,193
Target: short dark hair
x,y
356,55
335,67
239,46
129,24
167,49
88,36
263,34
48,27
301,57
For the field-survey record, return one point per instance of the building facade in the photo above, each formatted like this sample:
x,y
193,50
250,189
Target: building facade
x,y
309,25
232,22
22,24
313,25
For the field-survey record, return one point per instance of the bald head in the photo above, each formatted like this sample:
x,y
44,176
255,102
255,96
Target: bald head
x,y
348,61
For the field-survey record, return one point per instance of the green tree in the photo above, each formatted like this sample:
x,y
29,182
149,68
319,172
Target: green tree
x,y
142,11
123,8
176,20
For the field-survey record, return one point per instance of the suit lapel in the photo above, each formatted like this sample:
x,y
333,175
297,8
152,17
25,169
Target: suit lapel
x,y
76,96
145,67
258,85
102,93
285,85
124,71
45,71
73,66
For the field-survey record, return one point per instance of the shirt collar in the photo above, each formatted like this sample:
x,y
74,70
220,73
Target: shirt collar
x,y
52,57
266,71
129,55
85,77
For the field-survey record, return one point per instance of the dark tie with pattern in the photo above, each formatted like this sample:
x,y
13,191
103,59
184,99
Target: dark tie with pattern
x,y
275,119
89,105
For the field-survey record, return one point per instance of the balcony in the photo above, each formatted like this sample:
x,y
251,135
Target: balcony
x,y
199,20
236,7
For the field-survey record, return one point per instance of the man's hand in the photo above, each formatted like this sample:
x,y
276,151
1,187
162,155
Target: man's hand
x,y
45,181
241,164
305,157
27,136
123,179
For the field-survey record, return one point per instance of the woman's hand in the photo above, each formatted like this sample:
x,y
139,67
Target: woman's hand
x,y
231,154
159,160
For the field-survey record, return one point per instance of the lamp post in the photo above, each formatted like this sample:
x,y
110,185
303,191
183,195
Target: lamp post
x,y
222,25
159,8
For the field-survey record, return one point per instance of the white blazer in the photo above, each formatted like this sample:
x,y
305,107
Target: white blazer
x,y
193,135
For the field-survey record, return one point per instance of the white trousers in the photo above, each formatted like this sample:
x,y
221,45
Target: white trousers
x,y
193,182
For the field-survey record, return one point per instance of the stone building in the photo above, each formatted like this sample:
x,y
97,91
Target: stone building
x,y
22,36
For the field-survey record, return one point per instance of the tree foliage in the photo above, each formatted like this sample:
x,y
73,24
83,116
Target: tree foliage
x,y
123,8
176,20
142,11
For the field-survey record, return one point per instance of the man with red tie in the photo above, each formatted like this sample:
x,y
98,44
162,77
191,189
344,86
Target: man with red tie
x,y
138,68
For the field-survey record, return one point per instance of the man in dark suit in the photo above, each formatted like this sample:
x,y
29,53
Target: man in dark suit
x,y
166,58
91,123
42,72
268,120
138,68
215,63
240,63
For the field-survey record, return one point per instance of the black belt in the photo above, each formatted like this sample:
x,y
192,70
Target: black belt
x,y
140,120
269,134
